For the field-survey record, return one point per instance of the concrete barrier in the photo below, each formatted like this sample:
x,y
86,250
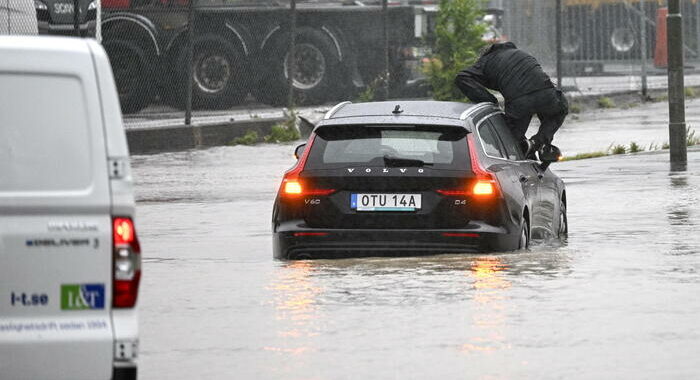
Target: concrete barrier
x,y
183,137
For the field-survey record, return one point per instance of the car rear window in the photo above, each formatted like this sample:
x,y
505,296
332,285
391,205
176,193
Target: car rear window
x,y
438,147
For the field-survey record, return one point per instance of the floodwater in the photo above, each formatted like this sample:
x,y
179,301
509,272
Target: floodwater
x,y
646,125
620,299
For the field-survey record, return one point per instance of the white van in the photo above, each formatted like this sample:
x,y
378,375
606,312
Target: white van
x,y
70,261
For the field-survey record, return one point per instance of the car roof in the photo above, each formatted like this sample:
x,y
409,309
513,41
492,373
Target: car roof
x,y
411,112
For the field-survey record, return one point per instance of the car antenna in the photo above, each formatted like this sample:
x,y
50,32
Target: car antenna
x,y
397,110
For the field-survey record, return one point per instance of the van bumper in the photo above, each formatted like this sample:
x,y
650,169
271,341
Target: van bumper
x,y
124,373
87,29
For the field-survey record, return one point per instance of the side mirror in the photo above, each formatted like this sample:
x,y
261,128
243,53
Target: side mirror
x,y
548,155
299,151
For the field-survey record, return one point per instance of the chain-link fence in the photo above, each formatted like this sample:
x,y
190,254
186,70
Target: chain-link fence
x,y
606,45
257,54
253,54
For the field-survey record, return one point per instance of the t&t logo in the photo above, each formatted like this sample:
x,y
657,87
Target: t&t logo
x,y
82,296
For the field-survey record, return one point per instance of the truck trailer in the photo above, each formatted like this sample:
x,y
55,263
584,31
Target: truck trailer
x,y
241,48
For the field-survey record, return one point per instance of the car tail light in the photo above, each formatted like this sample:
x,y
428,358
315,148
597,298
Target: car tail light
x,y
482,187
293,186
127,263
116,4
454,193
485,185
311,234
460,234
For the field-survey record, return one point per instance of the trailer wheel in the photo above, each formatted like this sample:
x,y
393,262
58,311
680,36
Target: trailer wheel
x,y
623,39
131,69
219,77
317,77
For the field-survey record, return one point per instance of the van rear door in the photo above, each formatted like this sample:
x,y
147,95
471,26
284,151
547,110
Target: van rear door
x,y
55,223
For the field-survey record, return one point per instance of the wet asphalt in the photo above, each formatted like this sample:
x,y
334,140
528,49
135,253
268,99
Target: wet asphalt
x,y
618,299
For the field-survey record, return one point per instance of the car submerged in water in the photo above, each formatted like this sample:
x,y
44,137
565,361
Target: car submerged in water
x,y
414,178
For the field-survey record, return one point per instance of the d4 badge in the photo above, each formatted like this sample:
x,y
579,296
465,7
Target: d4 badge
x,y
82,296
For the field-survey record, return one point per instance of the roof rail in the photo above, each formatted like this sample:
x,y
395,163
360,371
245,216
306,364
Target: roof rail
x,y
471,110
335,109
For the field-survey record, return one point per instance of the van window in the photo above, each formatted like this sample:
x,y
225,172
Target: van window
x,y
44,134
389,146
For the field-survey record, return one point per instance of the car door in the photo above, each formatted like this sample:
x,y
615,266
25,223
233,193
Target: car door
x,y
507,171
526,172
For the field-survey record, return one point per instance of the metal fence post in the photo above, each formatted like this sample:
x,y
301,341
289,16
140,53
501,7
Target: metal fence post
x,y
697,29
291,60
384,92
558,43
76,17
676,93
190,66
643,46
98,21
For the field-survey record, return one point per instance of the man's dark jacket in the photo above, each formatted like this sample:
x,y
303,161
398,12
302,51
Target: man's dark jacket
x,y
503,68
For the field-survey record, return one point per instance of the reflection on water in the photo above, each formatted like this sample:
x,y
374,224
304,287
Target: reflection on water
x,y
490,305
295,300
682,200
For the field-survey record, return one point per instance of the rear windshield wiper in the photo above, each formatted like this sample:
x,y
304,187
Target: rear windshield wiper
x,y
404,162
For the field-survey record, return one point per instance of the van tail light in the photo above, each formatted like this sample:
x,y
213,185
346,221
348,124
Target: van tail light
x,y
127,263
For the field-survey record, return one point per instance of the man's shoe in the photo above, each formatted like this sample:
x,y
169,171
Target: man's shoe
x,y
531,148
549,153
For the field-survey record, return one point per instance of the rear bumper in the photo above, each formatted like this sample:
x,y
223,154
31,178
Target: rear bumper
x,y
293,241
86,29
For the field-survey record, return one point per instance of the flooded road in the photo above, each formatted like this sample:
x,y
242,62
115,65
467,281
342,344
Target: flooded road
x,y
598,130
620,299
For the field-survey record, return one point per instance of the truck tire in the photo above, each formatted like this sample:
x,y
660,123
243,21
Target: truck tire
x,y
318,70
219,73
131,68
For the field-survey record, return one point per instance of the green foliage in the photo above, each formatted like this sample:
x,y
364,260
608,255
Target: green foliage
x,y
583,156
665,146
635,148
618,149
458,33
574,108
285,131
250,138
689,92
605,102
370,93
690,137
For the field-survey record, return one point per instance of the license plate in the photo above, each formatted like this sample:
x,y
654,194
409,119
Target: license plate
x,y
385,202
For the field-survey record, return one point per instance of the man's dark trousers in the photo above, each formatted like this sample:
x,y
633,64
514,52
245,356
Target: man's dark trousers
x,y
550,106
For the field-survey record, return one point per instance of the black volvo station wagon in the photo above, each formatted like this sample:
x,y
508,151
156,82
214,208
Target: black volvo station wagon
x,y
414,178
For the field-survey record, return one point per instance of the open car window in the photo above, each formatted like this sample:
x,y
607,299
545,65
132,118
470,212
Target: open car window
x,y
490,141
513,150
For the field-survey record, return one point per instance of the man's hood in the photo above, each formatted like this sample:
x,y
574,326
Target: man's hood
x,y
500,46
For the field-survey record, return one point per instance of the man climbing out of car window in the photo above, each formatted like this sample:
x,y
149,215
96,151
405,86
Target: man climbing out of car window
x,y
527,91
